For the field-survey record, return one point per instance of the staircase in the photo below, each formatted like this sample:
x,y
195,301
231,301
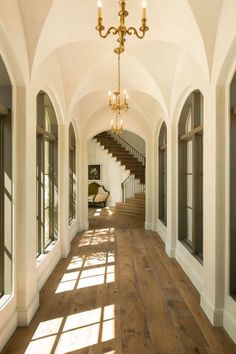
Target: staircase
x,y
126,158
135,205
133,187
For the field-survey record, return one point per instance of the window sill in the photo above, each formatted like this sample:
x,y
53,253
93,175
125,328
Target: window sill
x,y
71,222
163,221
4,300
189,248
44,255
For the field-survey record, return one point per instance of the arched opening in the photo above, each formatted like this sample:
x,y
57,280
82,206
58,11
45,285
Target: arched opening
x,y
116,173
6,246
72,174
191,175
47,173
162,143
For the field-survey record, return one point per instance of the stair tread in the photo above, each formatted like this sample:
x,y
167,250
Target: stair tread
x,y
122,155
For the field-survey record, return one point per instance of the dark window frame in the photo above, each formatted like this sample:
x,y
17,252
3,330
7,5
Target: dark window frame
x,y
72,175
44,136
232,194
162,152
1,210
193,106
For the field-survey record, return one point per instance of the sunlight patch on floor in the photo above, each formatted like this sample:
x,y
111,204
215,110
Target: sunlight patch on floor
x,y
96,276
43,345
88,270
104,212
95,237
47,328
75,332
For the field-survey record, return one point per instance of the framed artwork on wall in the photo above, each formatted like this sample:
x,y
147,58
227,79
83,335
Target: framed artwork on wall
x,y
94,172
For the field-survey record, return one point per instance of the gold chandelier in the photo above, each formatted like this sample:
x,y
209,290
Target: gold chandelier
x,y
115,100
118,105
117,124
122,30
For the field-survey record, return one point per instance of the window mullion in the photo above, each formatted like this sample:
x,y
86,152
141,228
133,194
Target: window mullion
x,y
43,169
1,213
194,195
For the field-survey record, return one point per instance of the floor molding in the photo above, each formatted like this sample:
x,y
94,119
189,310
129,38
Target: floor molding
x,y
8,329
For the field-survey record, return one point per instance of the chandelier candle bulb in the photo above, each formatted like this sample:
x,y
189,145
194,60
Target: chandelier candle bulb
x,y
99,5
144,6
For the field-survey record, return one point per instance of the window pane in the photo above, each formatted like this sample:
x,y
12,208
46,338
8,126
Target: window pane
x,y
47,193
188,124
189,156
190,190
189,225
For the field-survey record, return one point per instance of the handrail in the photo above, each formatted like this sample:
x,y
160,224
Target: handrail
x,y
130,186
141,158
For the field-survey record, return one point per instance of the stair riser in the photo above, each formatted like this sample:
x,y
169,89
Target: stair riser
x,y
136,202
122,155
130,212
131,207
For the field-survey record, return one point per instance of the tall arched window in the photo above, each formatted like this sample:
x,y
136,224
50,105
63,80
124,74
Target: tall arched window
x,y
233,188
163,174
47,172
5,182
191,174
72,174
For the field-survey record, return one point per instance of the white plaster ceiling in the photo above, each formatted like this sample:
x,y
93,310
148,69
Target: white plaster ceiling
x,y
58,47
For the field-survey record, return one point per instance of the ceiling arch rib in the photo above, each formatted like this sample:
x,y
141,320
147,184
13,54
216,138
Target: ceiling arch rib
x,y
202,11
102,77
34,14
79,19
15,50
145,105
100,121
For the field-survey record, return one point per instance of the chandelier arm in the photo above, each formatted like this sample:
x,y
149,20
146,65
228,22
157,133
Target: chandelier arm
x,y
111,30
132,30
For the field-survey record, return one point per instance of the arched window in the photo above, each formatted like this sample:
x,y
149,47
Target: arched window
x,y
72,174
233,188
191,174
163,174
47,172
5,182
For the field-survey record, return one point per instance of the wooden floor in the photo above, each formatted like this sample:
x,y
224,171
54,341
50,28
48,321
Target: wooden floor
x,y
118,292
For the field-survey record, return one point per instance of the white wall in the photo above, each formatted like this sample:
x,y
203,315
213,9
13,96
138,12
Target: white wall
x,y
112,173
135,141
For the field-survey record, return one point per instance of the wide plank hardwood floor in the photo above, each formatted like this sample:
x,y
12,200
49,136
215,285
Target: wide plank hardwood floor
x,y
118,292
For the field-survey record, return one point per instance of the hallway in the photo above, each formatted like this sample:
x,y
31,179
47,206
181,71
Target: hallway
x,y
117,292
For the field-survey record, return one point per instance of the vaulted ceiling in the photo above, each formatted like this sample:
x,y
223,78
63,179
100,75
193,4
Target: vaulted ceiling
x,y
57,46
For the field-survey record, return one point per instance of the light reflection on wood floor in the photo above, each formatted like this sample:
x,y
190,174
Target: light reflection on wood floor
x,y
118,292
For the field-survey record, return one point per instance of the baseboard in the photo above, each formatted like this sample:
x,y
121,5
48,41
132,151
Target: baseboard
x,y
161,230
8,329
230,325
73,229
187,263
25,315
84,226
47,266
154,227
170,251
214,315
148,225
